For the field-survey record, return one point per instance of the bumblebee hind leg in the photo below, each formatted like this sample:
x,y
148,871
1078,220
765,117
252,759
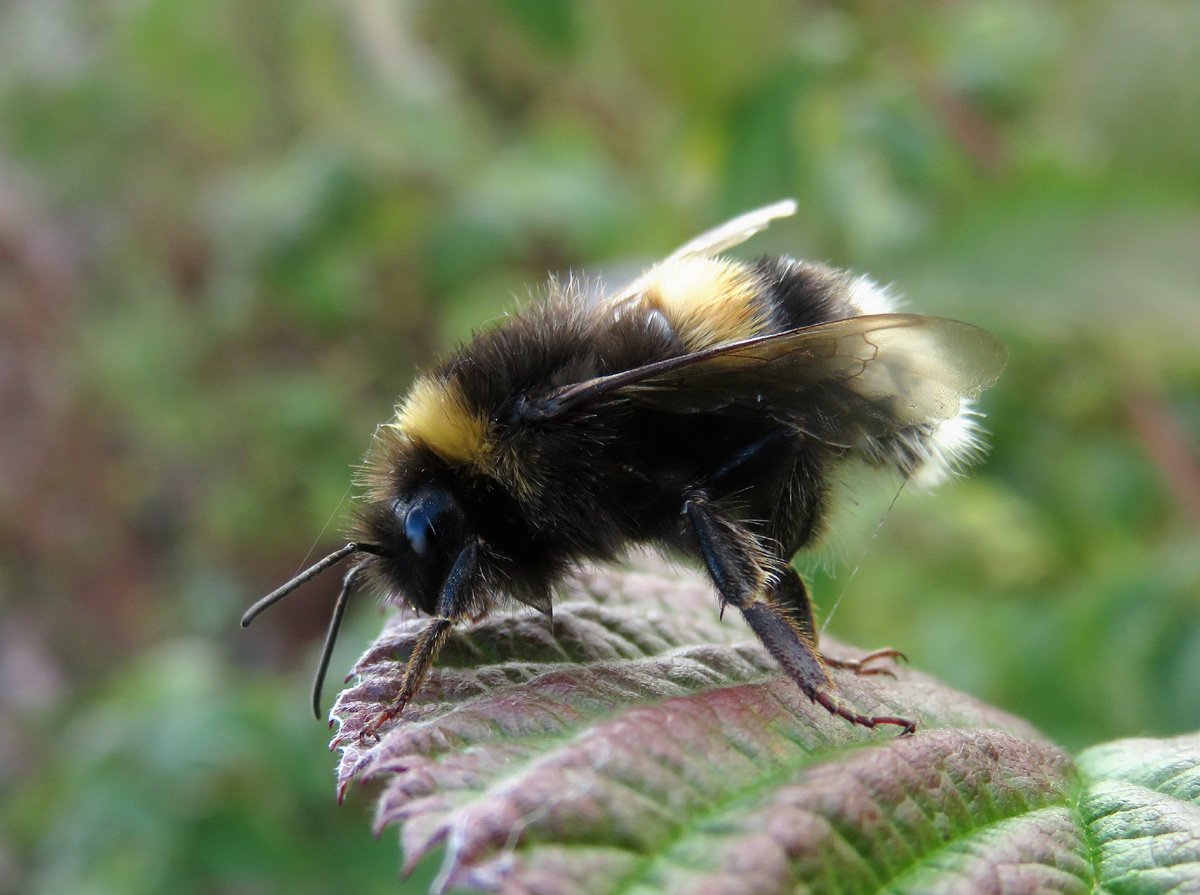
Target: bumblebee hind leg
x,y
734,558
790,591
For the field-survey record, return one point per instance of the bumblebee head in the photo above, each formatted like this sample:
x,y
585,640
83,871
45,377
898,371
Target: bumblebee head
x,y
413,541
415,546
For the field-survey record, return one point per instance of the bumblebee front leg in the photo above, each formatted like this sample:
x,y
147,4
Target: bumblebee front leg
x,y
451,605
734,557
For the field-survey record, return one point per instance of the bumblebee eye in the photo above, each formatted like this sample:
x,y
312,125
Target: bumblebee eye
x,y
432,521
418,528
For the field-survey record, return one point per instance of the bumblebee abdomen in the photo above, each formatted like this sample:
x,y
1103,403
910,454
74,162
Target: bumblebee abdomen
x,y
707,301
802,293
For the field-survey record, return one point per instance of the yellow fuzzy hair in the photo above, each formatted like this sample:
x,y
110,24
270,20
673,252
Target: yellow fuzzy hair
x,y
707,301
437,413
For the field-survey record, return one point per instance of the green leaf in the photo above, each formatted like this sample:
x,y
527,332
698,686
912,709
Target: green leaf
x,y
1141,806
640,744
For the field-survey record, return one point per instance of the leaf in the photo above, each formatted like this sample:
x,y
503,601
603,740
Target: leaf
x,y
642,745
1142,810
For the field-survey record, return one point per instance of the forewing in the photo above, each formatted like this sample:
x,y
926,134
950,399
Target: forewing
x,y
841,381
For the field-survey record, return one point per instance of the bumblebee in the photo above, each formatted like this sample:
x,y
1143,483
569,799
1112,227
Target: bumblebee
x,y
705,410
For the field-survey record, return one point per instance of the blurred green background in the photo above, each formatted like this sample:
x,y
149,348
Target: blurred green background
x,y
230,232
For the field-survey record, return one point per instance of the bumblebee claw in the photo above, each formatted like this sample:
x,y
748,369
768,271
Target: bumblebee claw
x,y
862,665
370,730
835,707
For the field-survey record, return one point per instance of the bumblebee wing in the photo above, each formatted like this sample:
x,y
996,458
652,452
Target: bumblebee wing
x,y
841,382
735,232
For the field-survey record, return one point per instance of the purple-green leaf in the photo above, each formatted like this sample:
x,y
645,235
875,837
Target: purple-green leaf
x,y
640,744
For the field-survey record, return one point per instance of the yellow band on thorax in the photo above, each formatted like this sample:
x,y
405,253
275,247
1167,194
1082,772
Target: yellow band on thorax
x,y
437,413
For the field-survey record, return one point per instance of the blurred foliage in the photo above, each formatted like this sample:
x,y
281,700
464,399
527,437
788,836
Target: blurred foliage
x,y
228,235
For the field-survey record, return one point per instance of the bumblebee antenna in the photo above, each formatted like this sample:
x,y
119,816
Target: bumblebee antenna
x,y
303,578
335,624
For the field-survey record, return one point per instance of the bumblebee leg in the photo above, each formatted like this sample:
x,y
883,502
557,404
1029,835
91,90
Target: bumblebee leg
x,y
791,591
450,609
731,554
429,643
862,665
